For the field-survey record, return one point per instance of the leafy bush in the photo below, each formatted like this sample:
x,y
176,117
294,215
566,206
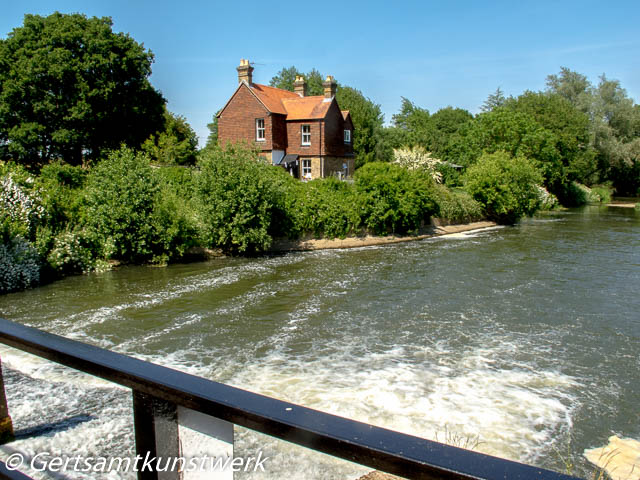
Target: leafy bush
x,y
61,192
505,186
572,195
19,211
456,206
120,197
19,264
326,208
600,194
547,200
174,224
235,193
393,199
129,214
71,254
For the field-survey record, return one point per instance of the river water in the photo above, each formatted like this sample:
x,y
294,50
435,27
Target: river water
x,y
523,338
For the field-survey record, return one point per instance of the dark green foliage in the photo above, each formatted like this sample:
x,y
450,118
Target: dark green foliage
x,y
235,200
367,120
120,197
456,206
130,216
570,128
285,78
614,126
327,208
70,88
494,100
414,126
175,144
212,139
393,199
505,186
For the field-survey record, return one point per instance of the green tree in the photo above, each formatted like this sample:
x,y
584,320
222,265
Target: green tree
x,y
235,195
573,86
393,199
285,78
367,120
570,128
175,144
445,123
71,88
505,186
212,139
413,124
514,132
494,100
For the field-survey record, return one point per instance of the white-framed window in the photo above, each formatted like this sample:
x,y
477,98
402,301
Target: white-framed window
x,y
306,168
260,137
347,136
306,135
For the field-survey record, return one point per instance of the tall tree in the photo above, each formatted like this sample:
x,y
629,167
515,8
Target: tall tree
x,y
573,86
71,88
413,124
494,100
212,139
570,128
285,78
175,144
367,120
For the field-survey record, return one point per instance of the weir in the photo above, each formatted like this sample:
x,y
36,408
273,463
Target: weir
x,y
181,415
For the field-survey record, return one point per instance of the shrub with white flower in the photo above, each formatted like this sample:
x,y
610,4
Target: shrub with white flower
x,y
69,255
19,216
22,210
19,265
415,158
547,200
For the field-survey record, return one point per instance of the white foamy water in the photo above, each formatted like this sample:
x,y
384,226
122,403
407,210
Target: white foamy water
x,y
448,336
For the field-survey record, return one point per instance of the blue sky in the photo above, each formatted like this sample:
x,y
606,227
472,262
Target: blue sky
x,y
434,53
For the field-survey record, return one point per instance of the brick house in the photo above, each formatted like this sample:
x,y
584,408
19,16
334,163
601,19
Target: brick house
x,y
308,135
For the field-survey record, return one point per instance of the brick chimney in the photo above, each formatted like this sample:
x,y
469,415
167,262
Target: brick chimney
x,y
300,86
245,72
330,87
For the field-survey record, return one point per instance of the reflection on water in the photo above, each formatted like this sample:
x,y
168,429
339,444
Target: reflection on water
x,y
526,336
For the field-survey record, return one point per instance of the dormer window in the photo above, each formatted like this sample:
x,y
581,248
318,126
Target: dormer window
x,y
260,137
306,134
347,136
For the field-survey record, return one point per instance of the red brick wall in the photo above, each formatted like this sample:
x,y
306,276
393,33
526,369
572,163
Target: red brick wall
x,y
334,135
348,148
279,129
237,122
294,134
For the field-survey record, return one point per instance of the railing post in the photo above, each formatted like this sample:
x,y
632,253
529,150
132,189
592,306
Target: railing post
x,y
156,431
6,426
210,441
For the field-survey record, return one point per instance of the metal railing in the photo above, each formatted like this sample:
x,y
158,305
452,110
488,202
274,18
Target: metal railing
x,y
161,394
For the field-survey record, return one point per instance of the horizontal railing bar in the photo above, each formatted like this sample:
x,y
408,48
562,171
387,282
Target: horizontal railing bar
x,y
6,473
375,447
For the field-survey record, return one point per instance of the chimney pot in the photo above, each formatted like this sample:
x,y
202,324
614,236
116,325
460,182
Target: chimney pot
x,y
300,86
245,72
330,86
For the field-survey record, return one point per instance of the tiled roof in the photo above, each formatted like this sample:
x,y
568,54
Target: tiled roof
x,y
272,97
306,108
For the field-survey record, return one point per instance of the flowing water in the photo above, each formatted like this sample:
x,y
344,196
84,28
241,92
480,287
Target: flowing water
x,y
525,338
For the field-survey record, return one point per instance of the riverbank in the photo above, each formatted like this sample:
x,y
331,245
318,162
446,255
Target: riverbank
x,y
436,229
